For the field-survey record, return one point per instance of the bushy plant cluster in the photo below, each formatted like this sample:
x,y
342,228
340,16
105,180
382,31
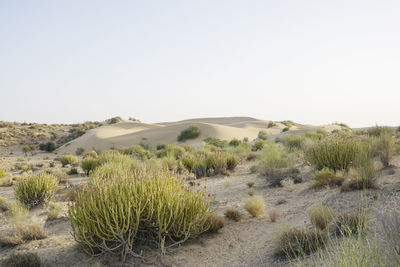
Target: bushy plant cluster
x,y
273,159
36,189
120,214
68,160
138,151
192,132
3,173
48,147
215,142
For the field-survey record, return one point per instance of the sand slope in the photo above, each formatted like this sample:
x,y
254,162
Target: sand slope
x,y
128,133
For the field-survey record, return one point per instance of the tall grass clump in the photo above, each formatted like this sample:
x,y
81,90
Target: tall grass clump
x,y
273,160
79,151
326,177
138,152
88,164
139,208
255,205
320,216
336,153
36,189
192,132
68,159
294,143
386,147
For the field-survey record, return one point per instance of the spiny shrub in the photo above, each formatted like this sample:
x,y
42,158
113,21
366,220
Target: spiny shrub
x,y
88,164
3,173
235,142
386,148
299,242
242,151
23,260
216,163
36,189
49,146
191,132
335,153
321,215
171,214
351,223
214,223
139,152
68,159
326,177
216,142
255,205
79,151
233,214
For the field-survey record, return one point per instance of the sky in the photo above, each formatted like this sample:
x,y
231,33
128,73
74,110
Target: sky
x,y
313,62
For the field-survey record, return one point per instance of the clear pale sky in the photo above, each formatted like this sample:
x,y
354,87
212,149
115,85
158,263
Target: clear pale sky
x,y
312,62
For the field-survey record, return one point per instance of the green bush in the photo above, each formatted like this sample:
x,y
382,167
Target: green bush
x,y
160,146
171,149
114,120
79,151
216,142
192,132
235,142
262,135
300,242
139,152
273,159
285,129
386,148
294,143
49,146
88,164
171,214
231,162
320,216
36,189
335,153
259,145
68,160
271,124
23,260
3,173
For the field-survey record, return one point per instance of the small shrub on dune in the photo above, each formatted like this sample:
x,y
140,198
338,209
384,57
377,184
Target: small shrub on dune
x,y
259,145
113,156
192,132
169,162
23,260
316,136
79,151
262,135
255,205
3,173
114,120
172,149
216,142
216,163
233,214
286,129
271,124
242,151
48,147
320,216
273,160
91,154
294,143
100,222
326,177
235,142
68,160
36,189
378,131
138,152
231,162
31,231
274,215
214,223
300,242
88,164
386,148
335,153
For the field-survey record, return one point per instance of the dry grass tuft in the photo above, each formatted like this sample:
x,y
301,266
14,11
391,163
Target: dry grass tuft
x,y
53,211
274,215
352,223
250,184
255,205
215,223
321,215
233,214
23,260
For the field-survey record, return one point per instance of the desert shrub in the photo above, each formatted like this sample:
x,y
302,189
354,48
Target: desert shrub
x,y
378,131
68,160
160,146
23,166
386,148
215,142
251,156
114,120
171,149
255,205
294,143
231,162
91,154
242,151
235,142
192,132
61,175
171,214
335,153
250,192
273,159
271,124
53,211
188,161
88,164
23,260
28,148
169,162
262,135
250,184
391,226
285,129
233,214
31,231
259,145
3,173
114,156
316,136
320,216
326,177
73,171
3,204
216,163
299,242
48,147
17,212
200,168
351,223
214,223
273,215
36,189
79,151
139,152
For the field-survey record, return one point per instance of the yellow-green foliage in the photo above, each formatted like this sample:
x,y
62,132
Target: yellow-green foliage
x,y
3,173
3,204
68,159
299,242
147,207
386,148
259,145
273,159
171,149
36,189
255,205
294,143
327,177
191,132
335,153
320,216
139,152
53,211
242,151
88,164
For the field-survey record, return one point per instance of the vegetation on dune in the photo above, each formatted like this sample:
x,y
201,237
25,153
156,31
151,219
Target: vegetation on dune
x,y
48,147
192,132
68,160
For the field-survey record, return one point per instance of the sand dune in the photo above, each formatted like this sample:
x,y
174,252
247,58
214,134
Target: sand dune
x,y
127,133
